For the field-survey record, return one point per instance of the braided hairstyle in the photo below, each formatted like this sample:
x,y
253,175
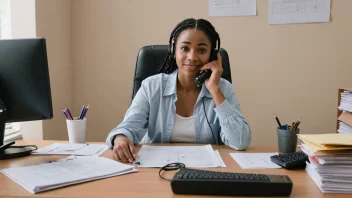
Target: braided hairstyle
x,y
169,64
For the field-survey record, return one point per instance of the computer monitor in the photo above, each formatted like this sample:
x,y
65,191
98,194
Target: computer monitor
x,y
25,93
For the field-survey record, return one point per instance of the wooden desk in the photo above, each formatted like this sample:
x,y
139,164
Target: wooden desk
x,y
146,182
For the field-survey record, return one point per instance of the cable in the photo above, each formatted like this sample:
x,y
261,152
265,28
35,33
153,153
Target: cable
x,y
9,145
208,121
169,167
24,146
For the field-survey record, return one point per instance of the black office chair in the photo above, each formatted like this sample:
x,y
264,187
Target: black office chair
x,y
150,57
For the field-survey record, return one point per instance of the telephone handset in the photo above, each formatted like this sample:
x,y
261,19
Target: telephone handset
x,y
199,80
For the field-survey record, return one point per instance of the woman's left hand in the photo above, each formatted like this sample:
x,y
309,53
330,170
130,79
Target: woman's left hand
x,y
216,68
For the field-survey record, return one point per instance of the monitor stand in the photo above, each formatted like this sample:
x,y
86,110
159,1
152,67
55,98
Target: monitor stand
x,y
6,150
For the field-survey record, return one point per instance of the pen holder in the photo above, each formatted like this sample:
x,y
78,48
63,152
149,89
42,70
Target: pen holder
x,y
76,130
287,140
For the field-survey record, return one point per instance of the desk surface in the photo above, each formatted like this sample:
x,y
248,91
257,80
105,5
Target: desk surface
x,y
146,182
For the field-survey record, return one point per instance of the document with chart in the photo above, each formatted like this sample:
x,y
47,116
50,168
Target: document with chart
x,y
298,11
232,7
68,171
72,149
191,156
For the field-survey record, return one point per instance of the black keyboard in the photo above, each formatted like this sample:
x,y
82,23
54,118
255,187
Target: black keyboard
x,y
199,182
295,160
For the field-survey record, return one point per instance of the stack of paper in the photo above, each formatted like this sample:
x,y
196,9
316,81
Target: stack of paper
x,y
345,122
191,156
72,149
345,119
346,101
344,128
330,157
72,170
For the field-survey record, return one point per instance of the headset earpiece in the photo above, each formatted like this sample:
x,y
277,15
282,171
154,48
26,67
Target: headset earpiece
x,y
172,47
214,55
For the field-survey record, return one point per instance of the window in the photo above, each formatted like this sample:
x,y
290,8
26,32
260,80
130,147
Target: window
x,y
5,19
12,130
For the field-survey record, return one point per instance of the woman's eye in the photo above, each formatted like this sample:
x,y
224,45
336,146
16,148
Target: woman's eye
x,y
184,48
202,51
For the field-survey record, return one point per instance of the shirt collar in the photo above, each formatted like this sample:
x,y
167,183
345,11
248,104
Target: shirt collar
x,y
171,84
170,87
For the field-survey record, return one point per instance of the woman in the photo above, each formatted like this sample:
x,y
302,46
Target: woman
x,y
170,107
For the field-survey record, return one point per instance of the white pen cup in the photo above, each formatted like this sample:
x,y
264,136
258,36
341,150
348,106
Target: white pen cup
x,y
76,130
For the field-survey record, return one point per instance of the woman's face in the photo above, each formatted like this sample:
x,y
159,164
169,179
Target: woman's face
x,y
192,51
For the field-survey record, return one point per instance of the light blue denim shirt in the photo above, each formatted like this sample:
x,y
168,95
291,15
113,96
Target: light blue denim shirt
x,y
151,115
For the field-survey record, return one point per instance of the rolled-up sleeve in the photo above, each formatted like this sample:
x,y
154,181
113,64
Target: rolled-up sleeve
x,y
235,130
134,124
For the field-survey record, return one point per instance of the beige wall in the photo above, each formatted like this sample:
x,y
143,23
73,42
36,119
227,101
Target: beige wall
x,y
291,70
53,21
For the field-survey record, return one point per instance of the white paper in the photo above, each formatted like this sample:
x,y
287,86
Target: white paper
x,y
344,128
218,156
232,7
346,101
298,11
72,149
330,183
72,170
254,160
332,169
191,156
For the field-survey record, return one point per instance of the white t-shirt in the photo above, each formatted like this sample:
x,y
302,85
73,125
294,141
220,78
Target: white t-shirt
x,y
184,129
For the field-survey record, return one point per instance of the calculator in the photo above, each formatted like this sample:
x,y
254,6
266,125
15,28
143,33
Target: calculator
x,y
295,160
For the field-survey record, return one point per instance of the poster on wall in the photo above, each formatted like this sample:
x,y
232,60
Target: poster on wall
x,y
298,11
232,7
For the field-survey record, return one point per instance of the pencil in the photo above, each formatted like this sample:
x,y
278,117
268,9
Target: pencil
x,y
297,124
278,122
293,124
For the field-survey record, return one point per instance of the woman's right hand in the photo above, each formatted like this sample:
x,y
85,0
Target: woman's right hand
x,y
123,149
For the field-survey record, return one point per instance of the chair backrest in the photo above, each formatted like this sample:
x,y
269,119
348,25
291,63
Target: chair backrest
x,y
150,57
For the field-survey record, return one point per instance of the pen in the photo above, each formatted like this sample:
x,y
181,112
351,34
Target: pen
x,y
69,113
81,114
137,163
134,159
297,124
85,112
293,124
278,122
63,111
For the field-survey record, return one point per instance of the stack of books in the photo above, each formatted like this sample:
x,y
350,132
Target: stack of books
x,y
345,119
330,157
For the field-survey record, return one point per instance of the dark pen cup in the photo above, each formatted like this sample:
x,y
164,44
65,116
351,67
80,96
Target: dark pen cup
x,y
287,140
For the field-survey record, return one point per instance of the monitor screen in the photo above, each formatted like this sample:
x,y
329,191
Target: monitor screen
x,y
24,81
